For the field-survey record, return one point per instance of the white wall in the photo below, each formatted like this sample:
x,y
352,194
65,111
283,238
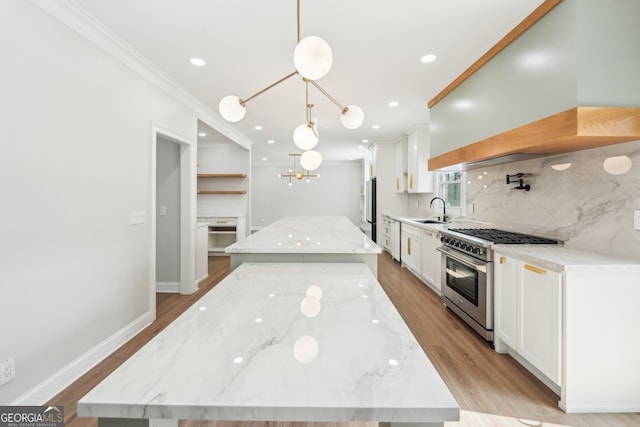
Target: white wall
x,y
168,226
336,192
76,127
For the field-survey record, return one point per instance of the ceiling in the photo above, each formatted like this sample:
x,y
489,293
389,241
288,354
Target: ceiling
x,y
377,45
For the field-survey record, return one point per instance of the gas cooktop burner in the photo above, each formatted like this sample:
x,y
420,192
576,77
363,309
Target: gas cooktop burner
x,y
504,237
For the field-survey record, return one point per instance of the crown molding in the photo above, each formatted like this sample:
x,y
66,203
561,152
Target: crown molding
x,y
78,19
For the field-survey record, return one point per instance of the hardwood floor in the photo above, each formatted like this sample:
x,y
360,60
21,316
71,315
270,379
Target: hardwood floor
x,y
492,389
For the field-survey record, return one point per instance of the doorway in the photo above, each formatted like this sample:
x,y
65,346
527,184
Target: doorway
x,y
172,215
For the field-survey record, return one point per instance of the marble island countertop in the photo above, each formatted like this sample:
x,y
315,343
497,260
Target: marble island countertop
x,y
281,342
307,234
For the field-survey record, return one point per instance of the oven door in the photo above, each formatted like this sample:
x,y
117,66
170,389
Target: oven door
x,y
467,282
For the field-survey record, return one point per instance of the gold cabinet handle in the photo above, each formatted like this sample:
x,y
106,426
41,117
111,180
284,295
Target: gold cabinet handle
x,y
427,233
503,260
397,183
411,181
409,245
535,269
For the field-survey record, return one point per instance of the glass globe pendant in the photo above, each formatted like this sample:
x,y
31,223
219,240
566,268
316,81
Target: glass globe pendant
x,y
311,160
352,117
313,58
305,137
231,109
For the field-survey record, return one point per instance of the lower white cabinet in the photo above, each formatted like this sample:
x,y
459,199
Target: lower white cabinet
x,y
411,247
528,313
395,239
431,257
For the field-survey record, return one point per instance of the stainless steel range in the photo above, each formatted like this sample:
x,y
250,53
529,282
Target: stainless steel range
x,y
467,272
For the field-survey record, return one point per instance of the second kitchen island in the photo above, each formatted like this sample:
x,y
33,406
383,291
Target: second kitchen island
x,y
307,239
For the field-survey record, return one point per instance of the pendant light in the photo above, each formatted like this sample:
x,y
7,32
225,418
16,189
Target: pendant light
x,y
306,136
312,59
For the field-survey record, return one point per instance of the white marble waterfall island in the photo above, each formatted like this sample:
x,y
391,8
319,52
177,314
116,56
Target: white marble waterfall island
x,y
307,239
280,342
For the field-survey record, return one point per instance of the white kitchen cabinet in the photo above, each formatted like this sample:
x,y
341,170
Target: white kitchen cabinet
x,y
430,266
419,179
390,241
528,306
222,232
505,290
395,240
539,319
385,234
401,165
411,247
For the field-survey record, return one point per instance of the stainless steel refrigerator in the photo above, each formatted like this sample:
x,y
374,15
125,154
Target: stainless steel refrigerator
x,y
370,210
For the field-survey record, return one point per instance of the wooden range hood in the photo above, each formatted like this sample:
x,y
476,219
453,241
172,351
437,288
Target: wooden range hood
x,y
576,129
579,128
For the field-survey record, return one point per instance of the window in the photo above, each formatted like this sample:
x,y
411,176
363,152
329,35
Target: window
x,y
449,187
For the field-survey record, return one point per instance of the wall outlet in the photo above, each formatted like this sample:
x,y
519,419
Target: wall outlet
x,y
636,219
163,210
7,371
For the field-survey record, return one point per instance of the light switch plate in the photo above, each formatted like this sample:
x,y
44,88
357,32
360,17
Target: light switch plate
x,y
163,210
636,219
137,217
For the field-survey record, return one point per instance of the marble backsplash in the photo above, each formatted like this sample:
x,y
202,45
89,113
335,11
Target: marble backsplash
x,y
584,206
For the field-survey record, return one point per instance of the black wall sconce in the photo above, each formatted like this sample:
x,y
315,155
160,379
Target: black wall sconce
x,y
517,179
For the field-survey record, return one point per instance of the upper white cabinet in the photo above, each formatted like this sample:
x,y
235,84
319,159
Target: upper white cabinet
x,y
401,164
419,179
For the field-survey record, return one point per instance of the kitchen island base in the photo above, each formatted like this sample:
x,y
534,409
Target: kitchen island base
x,y
307,239
371,260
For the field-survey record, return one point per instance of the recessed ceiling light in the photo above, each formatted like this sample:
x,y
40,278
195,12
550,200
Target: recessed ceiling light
x,y
375,127
258,127
202,134
198,62
365,141
271,141
360,146
393,104
428,58
264,159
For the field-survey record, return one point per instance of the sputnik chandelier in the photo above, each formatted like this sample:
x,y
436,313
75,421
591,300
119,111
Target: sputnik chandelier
x,y
312,59
299,175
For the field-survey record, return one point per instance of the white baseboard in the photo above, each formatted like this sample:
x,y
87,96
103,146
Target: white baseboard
x,y
53,385
168,287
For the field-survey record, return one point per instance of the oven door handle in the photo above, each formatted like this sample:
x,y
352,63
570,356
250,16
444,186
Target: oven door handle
x,y
479,267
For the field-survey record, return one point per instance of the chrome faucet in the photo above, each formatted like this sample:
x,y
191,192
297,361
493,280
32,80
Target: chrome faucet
x,y
444,207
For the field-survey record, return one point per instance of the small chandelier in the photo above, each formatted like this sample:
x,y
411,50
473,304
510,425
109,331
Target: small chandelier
x,y
299,175
312,59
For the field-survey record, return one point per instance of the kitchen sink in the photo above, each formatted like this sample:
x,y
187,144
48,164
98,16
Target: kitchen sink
x,y
427,221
